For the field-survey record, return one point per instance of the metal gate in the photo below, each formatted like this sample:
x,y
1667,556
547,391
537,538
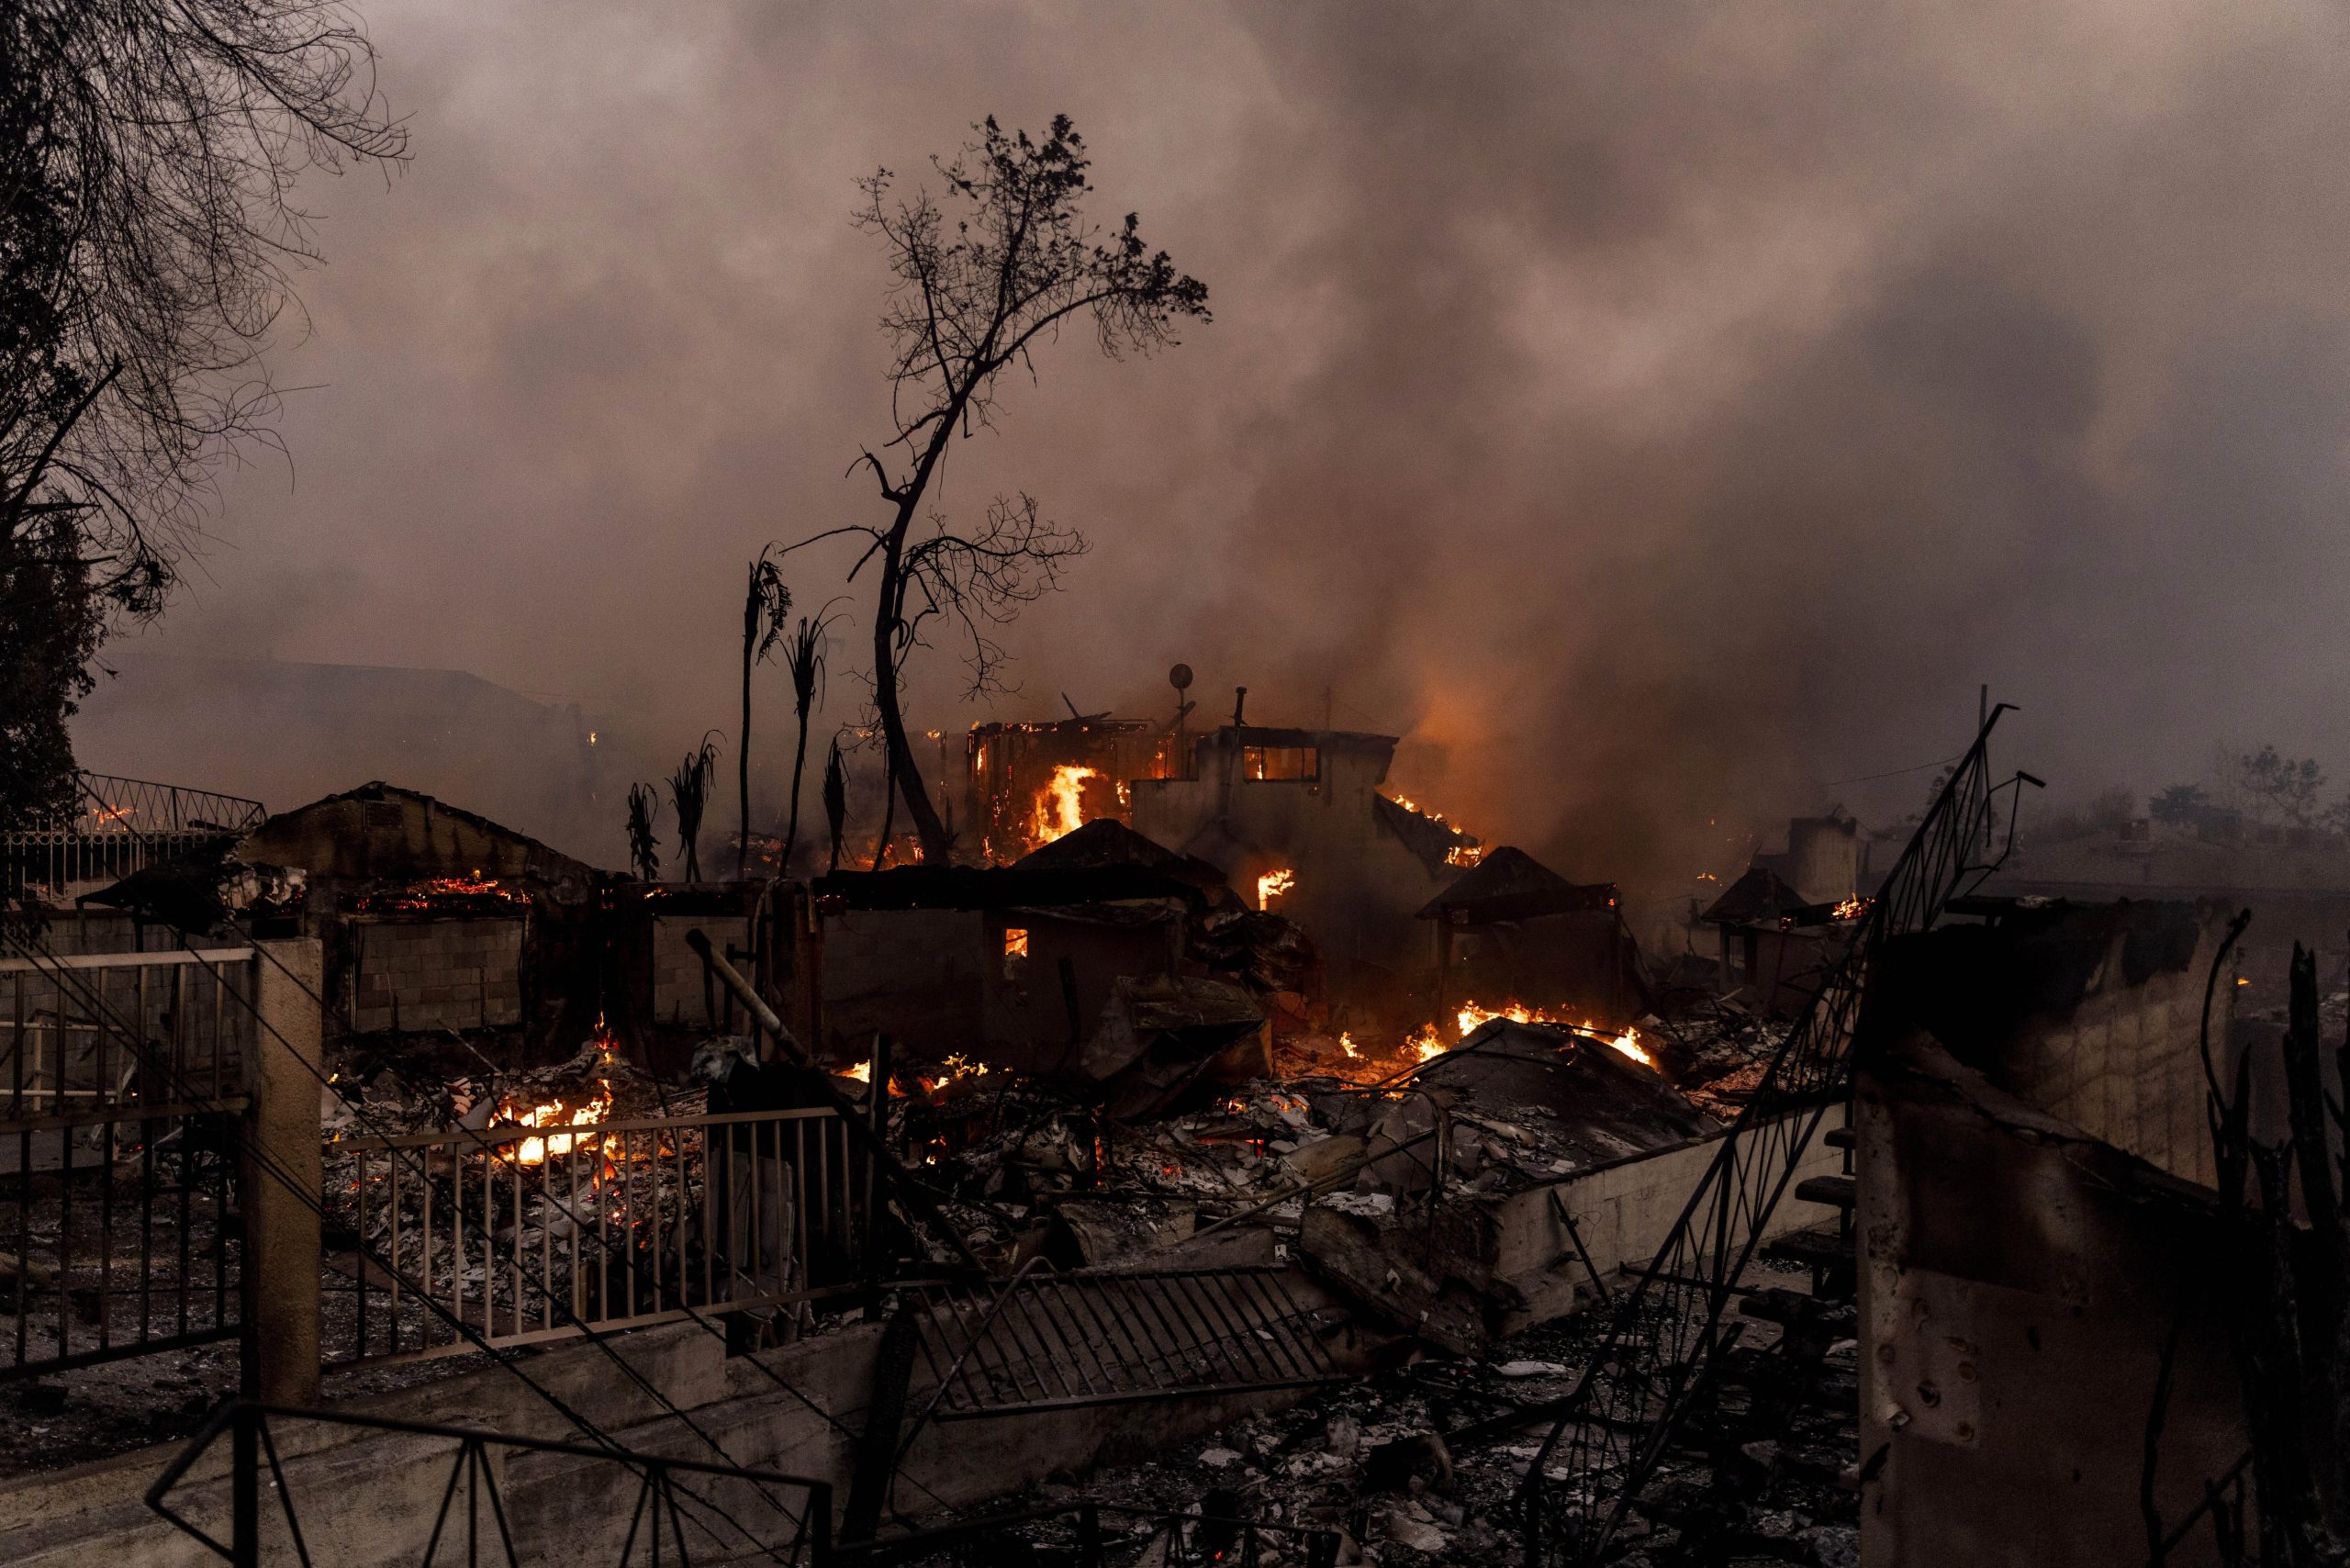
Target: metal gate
x,y
122,1086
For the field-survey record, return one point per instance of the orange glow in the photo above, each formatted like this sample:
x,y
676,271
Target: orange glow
x,y
1060,806
1273,885
1347,1044
1015,942
535,1150
862,1072
1853,907
1464,854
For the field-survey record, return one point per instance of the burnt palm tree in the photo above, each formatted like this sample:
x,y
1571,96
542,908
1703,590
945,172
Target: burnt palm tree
x,y
765,602
803,656
689,793
644,849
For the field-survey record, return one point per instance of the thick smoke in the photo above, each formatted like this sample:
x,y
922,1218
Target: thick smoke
x,y
1657,413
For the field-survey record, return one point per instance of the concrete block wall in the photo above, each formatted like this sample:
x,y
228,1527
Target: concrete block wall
x,y
678,993
462,974
2126,1065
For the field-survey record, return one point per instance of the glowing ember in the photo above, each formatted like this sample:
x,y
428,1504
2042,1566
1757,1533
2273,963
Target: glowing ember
x,y
1060,808
1015,942
1853,907
1464,854
1273,885
1347,1044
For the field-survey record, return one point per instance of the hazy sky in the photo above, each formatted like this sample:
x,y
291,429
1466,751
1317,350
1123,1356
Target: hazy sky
x,y
1699,399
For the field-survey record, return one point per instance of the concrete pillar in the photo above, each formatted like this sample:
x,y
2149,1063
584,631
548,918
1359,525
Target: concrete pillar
x,y
281,1220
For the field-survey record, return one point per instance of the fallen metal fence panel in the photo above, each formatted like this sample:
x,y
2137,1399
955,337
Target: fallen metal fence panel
x,y
1049,1341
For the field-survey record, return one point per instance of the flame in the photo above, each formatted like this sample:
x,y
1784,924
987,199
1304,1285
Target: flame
x,y
1273,885
1015,941
1853,907
862,1072
959,1068
1470,1016
1347,1044
535,1150
1464,854
1061,807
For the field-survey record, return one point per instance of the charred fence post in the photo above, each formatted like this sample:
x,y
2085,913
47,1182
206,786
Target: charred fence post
x,y
280,1147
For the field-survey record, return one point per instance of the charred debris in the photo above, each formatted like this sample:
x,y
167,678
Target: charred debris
x,y
1237,1130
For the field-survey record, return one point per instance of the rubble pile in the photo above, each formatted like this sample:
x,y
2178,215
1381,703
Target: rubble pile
x,y
1763,1476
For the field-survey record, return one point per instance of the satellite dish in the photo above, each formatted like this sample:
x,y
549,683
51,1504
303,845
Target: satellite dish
x,y
1179,678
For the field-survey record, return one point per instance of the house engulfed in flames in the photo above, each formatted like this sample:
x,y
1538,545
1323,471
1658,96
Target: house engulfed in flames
x,y
1300,815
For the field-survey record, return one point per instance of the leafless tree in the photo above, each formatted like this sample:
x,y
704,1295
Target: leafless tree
x,y
149,151
765,602
170,134
803,656
981,274
690,794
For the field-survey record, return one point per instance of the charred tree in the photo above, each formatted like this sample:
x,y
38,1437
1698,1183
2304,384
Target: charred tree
x,y
803,656
765,602
689,795
981,275
644,849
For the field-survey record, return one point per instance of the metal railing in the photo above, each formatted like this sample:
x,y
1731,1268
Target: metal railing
x,y
115,827
480,1497
530,1234
122,1082
1667,1327
1049,1341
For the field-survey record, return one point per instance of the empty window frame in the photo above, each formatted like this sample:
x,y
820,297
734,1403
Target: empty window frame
x,y
1272,764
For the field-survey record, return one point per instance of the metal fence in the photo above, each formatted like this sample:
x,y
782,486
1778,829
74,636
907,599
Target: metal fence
x,y
1667,1332
530,1234
479,1498
118,827
122,1079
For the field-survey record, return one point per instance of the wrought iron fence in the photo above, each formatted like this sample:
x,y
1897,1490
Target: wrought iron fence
x,y
118,827
475,1497
1667,1329
530,1234
122,1079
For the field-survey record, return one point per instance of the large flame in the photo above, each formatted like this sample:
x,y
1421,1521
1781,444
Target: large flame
x,y
535,1150
1470,1016
1273,884
1060,805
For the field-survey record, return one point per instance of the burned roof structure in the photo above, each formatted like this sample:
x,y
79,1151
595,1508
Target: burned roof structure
x,y
1510,884
380,832
1762,897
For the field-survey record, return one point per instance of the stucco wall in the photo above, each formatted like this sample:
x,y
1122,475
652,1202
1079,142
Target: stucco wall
x,y
1623,1212
2019,1280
